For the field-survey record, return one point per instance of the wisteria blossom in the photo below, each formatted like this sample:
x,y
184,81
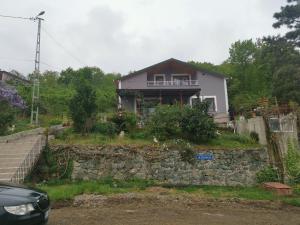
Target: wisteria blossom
x,y
11,96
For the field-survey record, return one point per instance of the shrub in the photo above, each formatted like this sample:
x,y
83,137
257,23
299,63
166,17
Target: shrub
x,y
164,122
55,122
6,116
124,121
292,163
187,154
196,125
107,128
83,107
254,136
268,174
139,134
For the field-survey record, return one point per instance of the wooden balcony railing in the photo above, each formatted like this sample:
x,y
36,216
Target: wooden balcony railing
x,y
175,83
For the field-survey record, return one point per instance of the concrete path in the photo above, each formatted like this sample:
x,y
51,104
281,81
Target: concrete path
x,y
13,153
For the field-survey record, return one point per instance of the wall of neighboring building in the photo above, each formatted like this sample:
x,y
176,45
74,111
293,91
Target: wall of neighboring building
x,y
212,85
128,103
135,82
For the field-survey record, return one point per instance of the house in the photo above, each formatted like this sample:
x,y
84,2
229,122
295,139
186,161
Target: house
x,y
170,82
13,76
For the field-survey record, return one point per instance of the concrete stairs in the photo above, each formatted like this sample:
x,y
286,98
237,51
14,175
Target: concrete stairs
x,y
19,155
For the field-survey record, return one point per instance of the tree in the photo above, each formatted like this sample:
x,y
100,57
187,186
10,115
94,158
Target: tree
x,y
287,83
83,107
290,17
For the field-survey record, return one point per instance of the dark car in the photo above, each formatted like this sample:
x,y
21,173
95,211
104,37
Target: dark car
x,y
20,205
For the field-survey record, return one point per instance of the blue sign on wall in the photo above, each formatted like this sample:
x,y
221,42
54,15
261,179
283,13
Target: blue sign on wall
x,y
204,156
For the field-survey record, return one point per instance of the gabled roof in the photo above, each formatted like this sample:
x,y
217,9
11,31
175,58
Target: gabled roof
x,y
172,60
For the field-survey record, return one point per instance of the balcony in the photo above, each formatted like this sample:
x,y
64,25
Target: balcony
x,y
174,83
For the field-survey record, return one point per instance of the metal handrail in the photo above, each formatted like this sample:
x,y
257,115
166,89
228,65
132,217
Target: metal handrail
x,y
28,162
173,83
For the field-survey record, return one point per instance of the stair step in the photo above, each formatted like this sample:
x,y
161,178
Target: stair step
x,y
10,164
12,159
6,175
8,156
8,170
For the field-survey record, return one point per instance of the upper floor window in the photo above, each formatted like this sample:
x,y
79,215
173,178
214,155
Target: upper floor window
x,y
159,79
181,79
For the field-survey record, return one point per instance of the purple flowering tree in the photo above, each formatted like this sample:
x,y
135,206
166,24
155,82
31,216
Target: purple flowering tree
x,y
12,97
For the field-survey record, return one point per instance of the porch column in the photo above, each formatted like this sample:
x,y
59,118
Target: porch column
x,y
181,100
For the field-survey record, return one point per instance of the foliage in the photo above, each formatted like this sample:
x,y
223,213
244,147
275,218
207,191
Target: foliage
x,y
290,17
292,163
124,121
254,136
195,123
187,154
6,116
11,96
83,107
50,168
105,128
287,83
164,122
268,174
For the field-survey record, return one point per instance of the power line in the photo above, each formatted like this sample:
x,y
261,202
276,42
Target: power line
x,y
62,47
24,60
16,17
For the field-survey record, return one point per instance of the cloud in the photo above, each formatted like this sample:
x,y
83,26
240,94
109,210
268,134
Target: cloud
x,y
124,35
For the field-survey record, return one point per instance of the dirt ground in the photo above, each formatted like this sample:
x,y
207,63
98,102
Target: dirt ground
x,y
171,210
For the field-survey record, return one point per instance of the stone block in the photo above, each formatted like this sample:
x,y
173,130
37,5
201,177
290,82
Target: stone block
x,y
278,188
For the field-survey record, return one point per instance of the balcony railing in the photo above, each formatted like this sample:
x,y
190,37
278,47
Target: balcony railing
x,y
173,83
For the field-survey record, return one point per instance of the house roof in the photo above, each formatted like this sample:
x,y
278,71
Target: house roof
x,y
16,77
172,60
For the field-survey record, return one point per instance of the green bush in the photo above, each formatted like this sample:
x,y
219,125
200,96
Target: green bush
x,y
55,122
124,121
196,125
292,163
268,174
105,128
6,116
164,122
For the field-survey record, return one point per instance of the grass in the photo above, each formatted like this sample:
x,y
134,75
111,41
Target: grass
x,y
94,139
233,141
224,141
68,190
62,190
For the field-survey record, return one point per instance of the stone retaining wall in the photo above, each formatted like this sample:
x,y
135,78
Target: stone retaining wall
x,y
214,167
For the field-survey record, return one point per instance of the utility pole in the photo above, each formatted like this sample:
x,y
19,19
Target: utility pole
x,y
36,83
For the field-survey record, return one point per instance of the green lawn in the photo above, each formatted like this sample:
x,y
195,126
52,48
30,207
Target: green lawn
x,y
68,190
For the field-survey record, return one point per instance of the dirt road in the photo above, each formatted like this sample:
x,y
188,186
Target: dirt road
x,y
172,215
175,211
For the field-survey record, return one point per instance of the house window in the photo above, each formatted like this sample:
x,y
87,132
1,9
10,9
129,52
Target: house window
x,y
212,103
159,79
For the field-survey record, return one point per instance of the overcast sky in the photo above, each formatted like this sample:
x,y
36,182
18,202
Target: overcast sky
x,y
125,35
